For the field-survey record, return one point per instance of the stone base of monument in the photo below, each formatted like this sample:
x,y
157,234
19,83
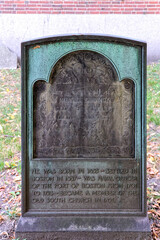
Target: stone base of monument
x,y
70,228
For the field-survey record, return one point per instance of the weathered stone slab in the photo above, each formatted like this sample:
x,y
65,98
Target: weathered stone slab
x,y
8,59
83,139
86,235
86,100
91,228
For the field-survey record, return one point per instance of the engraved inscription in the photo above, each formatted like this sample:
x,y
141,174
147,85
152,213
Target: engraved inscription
x,y
84,111
96,186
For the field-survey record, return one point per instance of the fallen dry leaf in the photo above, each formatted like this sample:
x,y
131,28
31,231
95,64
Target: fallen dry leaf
x,y
1,218
4,235
152,171
17,179
154,232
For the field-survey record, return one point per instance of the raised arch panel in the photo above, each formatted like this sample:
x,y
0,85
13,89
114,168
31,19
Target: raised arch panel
x,y
84,111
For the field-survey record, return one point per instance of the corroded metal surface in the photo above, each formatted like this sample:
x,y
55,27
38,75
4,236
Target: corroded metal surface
x,y
83,138
84,111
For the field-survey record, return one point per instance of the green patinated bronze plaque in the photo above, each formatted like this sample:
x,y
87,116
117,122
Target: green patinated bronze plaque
x,y
83,144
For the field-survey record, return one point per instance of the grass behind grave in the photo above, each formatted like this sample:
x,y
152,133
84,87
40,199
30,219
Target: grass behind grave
x,y
153,94
10,127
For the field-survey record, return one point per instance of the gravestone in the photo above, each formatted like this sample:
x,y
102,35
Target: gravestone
x,y
83,139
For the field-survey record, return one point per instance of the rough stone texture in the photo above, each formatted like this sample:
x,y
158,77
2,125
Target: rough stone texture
x,y
86,229
8,59
85,236
84,111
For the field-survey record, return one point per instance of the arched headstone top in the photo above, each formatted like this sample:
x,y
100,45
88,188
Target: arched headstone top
x,y
84,111
83,138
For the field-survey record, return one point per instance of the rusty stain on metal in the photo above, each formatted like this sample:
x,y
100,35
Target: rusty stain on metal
x,y
36,47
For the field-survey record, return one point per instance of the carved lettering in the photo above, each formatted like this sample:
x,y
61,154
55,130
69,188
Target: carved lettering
x,y
84,111
84,138
66,187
